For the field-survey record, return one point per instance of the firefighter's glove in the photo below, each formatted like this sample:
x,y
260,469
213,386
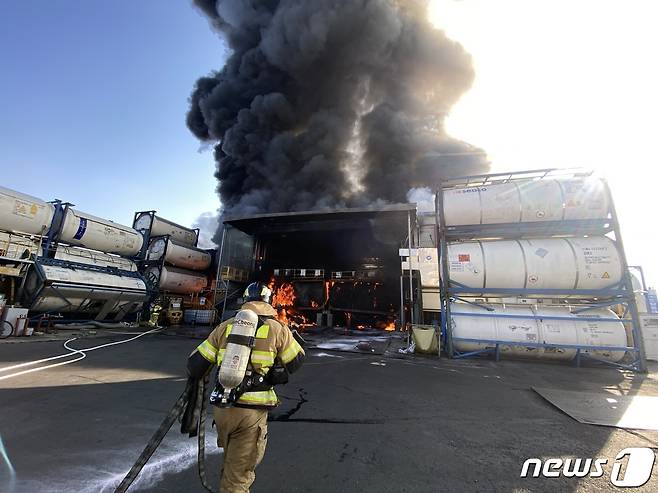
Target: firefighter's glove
x,y
277,376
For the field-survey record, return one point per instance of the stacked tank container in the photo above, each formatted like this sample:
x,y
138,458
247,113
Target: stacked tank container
x,y
80,265
172,262
548,241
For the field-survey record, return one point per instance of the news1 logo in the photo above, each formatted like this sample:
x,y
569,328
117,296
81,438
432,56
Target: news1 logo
x,y
639,463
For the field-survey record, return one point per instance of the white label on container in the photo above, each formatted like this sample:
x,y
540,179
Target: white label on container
x,y
25,209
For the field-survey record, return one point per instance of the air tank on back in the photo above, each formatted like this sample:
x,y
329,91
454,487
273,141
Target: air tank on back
x,y
178,255
236,356
527,326
24,213
527,201
175,280
588,263
148,221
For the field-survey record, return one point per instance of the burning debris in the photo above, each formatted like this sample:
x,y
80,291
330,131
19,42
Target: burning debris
x,y
329,103
300,313
284,300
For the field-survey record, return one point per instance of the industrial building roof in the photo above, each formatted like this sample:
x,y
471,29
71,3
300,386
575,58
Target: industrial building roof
x,y
334,219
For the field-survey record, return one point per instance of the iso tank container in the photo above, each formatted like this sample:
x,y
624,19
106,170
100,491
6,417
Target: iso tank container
x,y
185,257
91,257
589,263
82,229
468,323
176,281
72,290
24,213
527,201
147,221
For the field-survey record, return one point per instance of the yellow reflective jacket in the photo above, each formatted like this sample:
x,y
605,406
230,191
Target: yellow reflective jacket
x,y
274,343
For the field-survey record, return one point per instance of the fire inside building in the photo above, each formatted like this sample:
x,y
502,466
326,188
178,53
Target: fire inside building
x,y
335,268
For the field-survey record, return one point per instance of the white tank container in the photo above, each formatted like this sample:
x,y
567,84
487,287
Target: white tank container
x,y
24,213
572,331
527,201
73,290
92,257
548,263
82,229
163,227
178,255
177,281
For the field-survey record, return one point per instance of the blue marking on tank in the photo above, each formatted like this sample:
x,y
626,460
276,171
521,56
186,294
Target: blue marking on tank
x,y
81,229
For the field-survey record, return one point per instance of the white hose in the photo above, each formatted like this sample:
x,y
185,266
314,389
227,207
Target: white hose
x,y
94,324
71,352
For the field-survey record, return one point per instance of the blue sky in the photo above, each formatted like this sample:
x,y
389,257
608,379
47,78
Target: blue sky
x,y
93,96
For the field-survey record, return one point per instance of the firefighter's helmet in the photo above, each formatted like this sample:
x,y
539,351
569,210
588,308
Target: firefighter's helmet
x,y
258,291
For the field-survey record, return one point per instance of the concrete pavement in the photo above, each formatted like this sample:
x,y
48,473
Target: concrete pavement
x,y
366,423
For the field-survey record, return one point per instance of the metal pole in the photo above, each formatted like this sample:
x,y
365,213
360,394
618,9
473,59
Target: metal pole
x,y
638,342
218,275
411,285
444,282
402,317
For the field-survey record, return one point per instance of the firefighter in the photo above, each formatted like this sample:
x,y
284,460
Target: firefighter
x,y
242,427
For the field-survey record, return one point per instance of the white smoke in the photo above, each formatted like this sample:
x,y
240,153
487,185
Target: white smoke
x,y
423,197
207,222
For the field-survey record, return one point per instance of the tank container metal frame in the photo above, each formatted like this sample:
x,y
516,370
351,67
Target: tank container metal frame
x,y
146,233
620,294
38,262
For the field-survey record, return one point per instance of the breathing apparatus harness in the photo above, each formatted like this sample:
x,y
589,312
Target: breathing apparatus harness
x,y
252,381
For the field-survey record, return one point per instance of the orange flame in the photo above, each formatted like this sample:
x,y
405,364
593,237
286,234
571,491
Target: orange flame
x,y
283,300
284,295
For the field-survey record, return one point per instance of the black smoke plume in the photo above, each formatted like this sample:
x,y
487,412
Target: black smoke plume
x,y
329,103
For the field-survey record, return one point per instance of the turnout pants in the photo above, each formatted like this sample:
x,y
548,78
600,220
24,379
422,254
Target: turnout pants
x,y
242,433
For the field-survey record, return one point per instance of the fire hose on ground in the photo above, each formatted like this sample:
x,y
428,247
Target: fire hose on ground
x,y
72,351
193,422
193,417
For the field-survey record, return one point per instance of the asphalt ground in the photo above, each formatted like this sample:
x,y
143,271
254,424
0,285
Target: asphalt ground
x,y
366,423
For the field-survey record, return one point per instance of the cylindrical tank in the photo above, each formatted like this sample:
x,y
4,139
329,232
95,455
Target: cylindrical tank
x,y
92,257
546,263
527,201
163,227
177,280
82,229
467,323
24,213
72,290
236,356
185,257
